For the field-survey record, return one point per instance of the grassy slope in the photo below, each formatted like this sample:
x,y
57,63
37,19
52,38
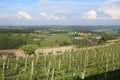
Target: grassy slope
x,y
55,40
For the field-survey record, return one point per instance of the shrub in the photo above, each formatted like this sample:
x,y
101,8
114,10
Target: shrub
x,y
29,48
83,43
64,43
105,38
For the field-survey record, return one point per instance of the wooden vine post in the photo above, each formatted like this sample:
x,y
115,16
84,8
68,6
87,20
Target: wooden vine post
x,y
81,61
83,75
45,69
36,61
96,61
106,69
63,57
26,57
59,63
85,62
78,61
3,71
84,68
8,63
17,58
54,59
53,74
87,58
32,69
113,62
48,70
69,60
45,60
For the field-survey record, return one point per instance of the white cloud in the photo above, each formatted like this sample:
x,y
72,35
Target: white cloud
x,y
111,8
92,14
43,14
19,15
44,2
51,16
57,17
8,16
113,13
4,15
111,0
24,15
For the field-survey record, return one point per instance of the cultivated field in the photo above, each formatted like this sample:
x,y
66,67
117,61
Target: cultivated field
x,y
71,64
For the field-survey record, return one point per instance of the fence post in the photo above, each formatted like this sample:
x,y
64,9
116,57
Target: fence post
x,y
17,58
36,61
53,74
106,66
59,63
26,57
48,70
3,70
32,69
83,75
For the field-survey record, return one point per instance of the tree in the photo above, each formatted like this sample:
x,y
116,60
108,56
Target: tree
x,y
64,43
105,38
29,48
9,42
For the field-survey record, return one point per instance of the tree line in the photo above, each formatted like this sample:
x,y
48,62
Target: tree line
x,y
8,42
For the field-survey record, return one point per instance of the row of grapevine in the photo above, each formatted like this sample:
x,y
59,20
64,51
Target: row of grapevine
x,y
65,66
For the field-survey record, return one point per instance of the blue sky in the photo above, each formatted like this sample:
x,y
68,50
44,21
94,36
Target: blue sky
x,y
59,12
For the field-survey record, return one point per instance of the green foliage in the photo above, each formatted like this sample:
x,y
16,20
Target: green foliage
x,y
86,42
105,38
93,61
9,42
15,31
83,44
65,43
56,40
29,48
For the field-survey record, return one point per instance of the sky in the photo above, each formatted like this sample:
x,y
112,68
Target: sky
x,y
59,12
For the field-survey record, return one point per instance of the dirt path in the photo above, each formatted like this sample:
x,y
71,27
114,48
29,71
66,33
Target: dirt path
x,y
55,50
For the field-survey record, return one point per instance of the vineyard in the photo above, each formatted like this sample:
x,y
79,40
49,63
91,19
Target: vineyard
x,y
71,65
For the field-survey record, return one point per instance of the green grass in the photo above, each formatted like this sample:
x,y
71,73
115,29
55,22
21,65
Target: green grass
x,y
55,40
